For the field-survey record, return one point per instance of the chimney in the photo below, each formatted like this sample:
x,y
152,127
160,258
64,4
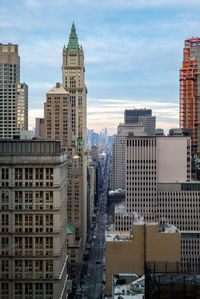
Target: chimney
x,y
57,85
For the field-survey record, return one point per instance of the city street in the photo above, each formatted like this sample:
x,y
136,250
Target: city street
x,y
94,281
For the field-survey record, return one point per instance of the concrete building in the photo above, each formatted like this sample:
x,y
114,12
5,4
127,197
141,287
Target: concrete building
x,y
58,115
13,95
92,189
117,169
159,186
26,134
33,216
128,252
190,92
39,127
143,117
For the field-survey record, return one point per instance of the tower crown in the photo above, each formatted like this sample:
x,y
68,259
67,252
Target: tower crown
x,y
73,45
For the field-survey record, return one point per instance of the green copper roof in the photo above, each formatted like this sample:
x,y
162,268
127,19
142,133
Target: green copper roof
x,y
73,46
70,229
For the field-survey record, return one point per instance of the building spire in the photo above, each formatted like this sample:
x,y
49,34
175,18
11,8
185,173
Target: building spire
x,y
73,45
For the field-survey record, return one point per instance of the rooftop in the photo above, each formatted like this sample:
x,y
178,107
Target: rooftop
x,y
126,286
58,89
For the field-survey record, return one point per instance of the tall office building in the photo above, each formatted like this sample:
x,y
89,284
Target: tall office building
x,y
159,187
117,169
22,106
73,70
190,92
143,117
33,217
13,115
57,115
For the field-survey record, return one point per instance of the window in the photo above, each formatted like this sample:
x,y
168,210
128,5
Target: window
x,y
49,173
18,173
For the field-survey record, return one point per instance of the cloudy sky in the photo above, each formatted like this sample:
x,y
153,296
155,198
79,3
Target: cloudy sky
x,y
133,52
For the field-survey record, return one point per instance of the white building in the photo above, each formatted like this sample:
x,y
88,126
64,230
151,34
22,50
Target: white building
x,y
117,171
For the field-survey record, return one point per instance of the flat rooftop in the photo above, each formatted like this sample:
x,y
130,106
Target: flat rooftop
x,y
128,286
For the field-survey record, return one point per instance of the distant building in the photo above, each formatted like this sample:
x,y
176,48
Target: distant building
x,y
57,115
13,95
143,117
160,132
39,127
117,169
22,106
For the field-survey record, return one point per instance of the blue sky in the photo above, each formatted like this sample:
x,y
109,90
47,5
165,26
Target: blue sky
x,y
133,52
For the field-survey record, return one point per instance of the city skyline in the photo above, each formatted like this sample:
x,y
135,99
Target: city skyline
x,y
142,73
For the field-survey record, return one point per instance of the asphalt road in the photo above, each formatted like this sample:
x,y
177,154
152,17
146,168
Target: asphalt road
x,y
94,278
94,282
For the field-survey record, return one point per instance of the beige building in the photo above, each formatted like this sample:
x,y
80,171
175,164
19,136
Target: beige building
x,y
158,187
73,70
13,95
57,115
128,252
33,215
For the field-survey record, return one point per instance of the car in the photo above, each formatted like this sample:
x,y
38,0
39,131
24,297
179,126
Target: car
x,y
98,262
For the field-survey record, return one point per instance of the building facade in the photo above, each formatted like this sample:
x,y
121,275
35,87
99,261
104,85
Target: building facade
x,y
13,95
22,106
73,70
57,115
33,216
143,117
117,169
159,186
39,127
190,91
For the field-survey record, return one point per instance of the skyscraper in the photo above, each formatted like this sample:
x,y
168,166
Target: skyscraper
x,y
13,115
143,117
22,106
190,92
73,81
57,115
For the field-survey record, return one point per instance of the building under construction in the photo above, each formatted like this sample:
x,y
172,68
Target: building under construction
x,y
190,91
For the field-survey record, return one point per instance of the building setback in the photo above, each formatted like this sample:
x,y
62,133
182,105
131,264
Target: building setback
x,y
33,214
